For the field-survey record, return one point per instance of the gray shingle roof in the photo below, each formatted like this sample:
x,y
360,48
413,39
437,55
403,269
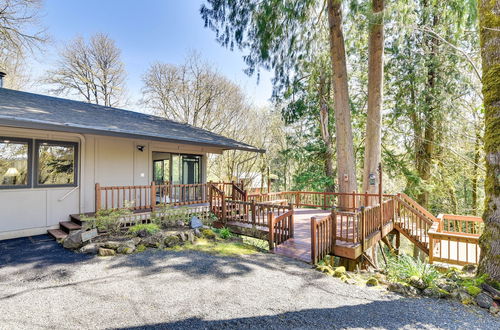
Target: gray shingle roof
x,y
21,109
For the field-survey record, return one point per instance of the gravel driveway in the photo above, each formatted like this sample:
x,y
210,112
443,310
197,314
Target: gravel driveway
x,y
44,286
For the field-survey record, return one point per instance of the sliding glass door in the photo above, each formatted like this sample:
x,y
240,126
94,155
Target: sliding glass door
x,y
177,169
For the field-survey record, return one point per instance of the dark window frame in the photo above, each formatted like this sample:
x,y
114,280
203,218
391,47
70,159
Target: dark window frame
x,y
36,163
29,174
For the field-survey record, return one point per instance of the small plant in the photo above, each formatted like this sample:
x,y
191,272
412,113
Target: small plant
x,y
146,229
208,233
225,233
167,216
404,267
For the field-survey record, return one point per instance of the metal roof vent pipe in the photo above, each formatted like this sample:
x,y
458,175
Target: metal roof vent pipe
x,y
2,74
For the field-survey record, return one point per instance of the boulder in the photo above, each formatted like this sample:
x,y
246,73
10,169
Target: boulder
x,y
73,240
112,245
417,282
103,252
435,292
463,296
372,281
92,248
195,223
403,288
469,269
484,300
339,271
171,241
190,236
197,233
154,241
180,223
208,233
446,285
182,235
124,249
494,310
136,240
130,243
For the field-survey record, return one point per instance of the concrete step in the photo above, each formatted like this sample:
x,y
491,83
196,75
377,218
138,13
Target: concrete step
x,y
69,226
58,234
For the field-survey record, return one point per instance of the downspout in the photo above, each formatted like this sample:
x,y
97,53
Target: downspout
x,y
82,170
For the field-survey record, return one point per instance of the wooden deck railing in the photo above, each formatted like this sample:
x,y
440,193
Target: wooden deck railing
x,y
322,237
280,228
255,214
146,197
454,239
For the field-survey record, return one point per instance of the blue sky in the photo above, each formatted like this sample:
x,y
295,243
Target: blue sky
x,y
146,31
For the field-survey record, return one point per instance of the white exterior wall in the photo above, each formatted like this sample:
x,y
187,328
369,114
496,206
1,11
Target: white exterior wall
x,y
102,159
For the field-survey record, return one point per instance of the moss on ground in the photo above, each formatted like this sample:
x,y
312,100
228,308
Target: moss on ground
x,y
223,248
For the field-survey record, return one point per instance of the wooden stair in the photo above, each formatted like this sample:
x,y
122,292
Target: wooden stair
x,y
65,228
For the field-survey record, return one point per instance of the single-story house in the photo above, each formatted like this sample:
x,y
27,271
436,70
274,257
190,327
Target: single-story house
x,y
54,151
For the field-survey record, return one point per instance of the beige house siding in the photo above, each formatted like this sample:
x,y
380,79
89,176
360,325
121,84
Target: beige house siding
x,y
102,159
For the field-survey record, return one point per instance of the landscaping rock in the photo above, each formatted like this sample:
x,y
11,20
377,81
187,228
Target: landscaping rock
x,y
403,288
470,269
182,236
208,233
448,286
136,240
484,300
74,240
171,241
339,271
494,310
372,281
103,252
152,241
92,248
195,223
417,282
124,249
190,236
112,245
435,292
197,233
180,223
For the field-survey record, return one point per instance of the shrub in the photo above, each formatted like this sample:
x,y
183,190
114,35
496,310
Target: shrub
x,y
403,267
167,216
148,229
110,221
225,233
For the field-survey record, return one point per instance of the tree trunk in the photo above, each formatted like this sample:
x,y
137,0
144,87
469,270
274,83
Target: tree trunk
x,y
346,163
425,149
373,140
324,118
489,25
475,168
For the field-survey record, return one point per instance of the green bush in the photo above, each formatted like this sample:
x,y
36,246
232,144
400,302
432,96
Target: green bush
x,y
403,267
165,215
225,233
110,221
149,229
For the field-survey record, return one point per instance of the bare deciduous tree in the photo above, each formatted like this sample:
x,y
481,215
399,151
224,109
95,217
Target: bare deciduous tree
x,y
93,70
20,33
193,93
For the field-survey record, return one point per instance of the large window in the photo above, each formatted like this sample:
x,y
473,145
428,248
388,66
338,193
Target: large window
x,y
56,163
15,163
50,164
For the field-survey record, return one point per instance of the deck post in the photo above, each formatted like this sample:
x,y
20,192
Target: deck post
x,y
291,223
223,207
270,224
431,249
97,197
333,215
313,240
354,200
254,216
210,196
398,241
153,195
297,199
380,198
363,225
